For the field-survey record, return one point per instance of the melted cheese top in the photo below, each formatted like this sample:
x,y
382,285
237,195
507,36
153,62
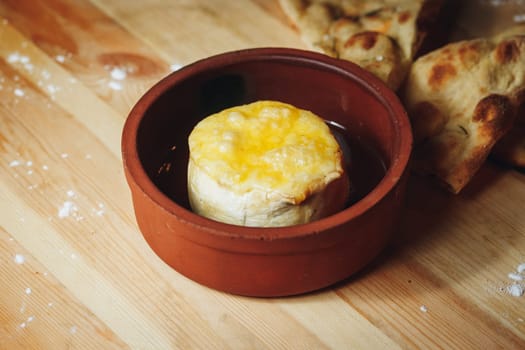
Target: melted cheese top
x,y
267,145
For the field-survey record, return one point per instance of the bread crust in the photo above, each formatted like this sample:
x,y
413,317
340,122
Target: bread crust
x,y
462,99
382,36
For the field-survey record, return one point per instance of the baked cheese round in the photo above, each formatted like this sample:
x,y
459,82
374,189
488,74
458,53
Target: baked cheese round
x,y
265,164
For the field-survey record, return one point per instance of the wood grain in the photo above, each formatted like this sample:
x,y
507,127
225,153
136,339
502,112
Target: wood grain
x,y
76,272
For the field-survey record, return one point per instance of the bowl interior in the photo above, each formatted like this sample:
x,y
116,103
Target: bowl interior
x,y
333,90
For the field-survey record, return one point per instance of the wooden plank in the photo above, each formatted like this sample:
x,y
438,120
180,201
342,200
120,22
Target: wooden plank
x,y
37,311
189,30
69,73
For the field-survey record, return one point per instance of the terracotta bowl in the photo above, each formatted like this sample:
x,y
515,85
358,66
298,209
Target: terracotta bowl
x,y
267,261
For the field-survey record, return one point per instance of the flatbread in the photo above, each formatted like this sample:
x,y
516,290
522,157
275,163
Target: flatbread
x,y
380,36
461,99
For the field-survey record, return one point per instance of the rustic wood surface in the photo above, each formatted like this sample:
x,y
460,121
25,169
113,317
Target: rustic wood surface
x,y
76,272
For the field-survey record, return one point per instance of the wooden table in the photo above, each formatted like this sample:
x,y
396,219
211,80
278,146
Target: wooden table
x,y
76,272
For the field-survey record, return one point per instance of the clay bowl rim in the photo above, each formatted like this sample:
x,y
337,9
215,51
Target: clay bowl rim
x,y
384,95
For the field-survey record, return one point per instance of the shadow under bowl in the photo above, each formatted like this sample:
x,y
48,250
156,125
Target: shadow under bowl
x,y
266,261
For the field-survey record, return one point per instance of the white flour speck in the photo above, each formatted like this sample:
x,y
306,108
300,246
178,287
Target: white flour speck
x,y
73,256
519,18
14,163
19,259
52,88
29,163
515,276
45,167
115,85
88,156
64,155
19,92
515,290
118,73
30,172
29,66
423,308
46,74
23,325
60,58
73,329
30,319
50,304
66,209
13,57
70,193
28,290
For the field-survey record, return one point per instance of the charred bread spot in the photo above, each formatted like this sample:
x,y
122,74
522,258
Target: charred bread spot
x,y
495,113
440,74
366,39
469,54
404,16
507,51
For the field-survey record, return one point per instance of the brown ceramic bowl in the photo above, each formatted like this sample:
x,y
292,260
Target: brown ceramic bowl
x,y
267,261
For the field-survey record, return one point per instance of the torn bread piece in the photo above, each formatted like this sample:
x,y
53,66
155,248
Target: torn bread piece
x,y
265,164
461,99
380,36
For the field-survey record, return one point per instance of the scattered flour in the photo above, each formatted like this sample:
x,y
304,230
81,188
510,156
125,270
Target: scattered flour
x,y
517,287
519,18
423,308
13,57
19,259
118,73
19,92
516,290
67,209
28,291
115,85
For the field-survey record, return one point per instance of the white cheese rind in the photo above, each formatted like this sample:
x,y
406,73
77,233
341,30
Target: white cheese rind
x,y
265,164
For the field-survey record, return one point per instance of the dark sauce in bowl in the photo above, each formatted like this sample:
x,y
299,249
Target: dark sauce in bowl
x,y
363,164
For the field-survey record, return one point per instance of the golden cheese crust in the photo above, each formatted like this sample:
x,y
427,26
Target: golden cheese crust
x,y
263,159
462,98
381,36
